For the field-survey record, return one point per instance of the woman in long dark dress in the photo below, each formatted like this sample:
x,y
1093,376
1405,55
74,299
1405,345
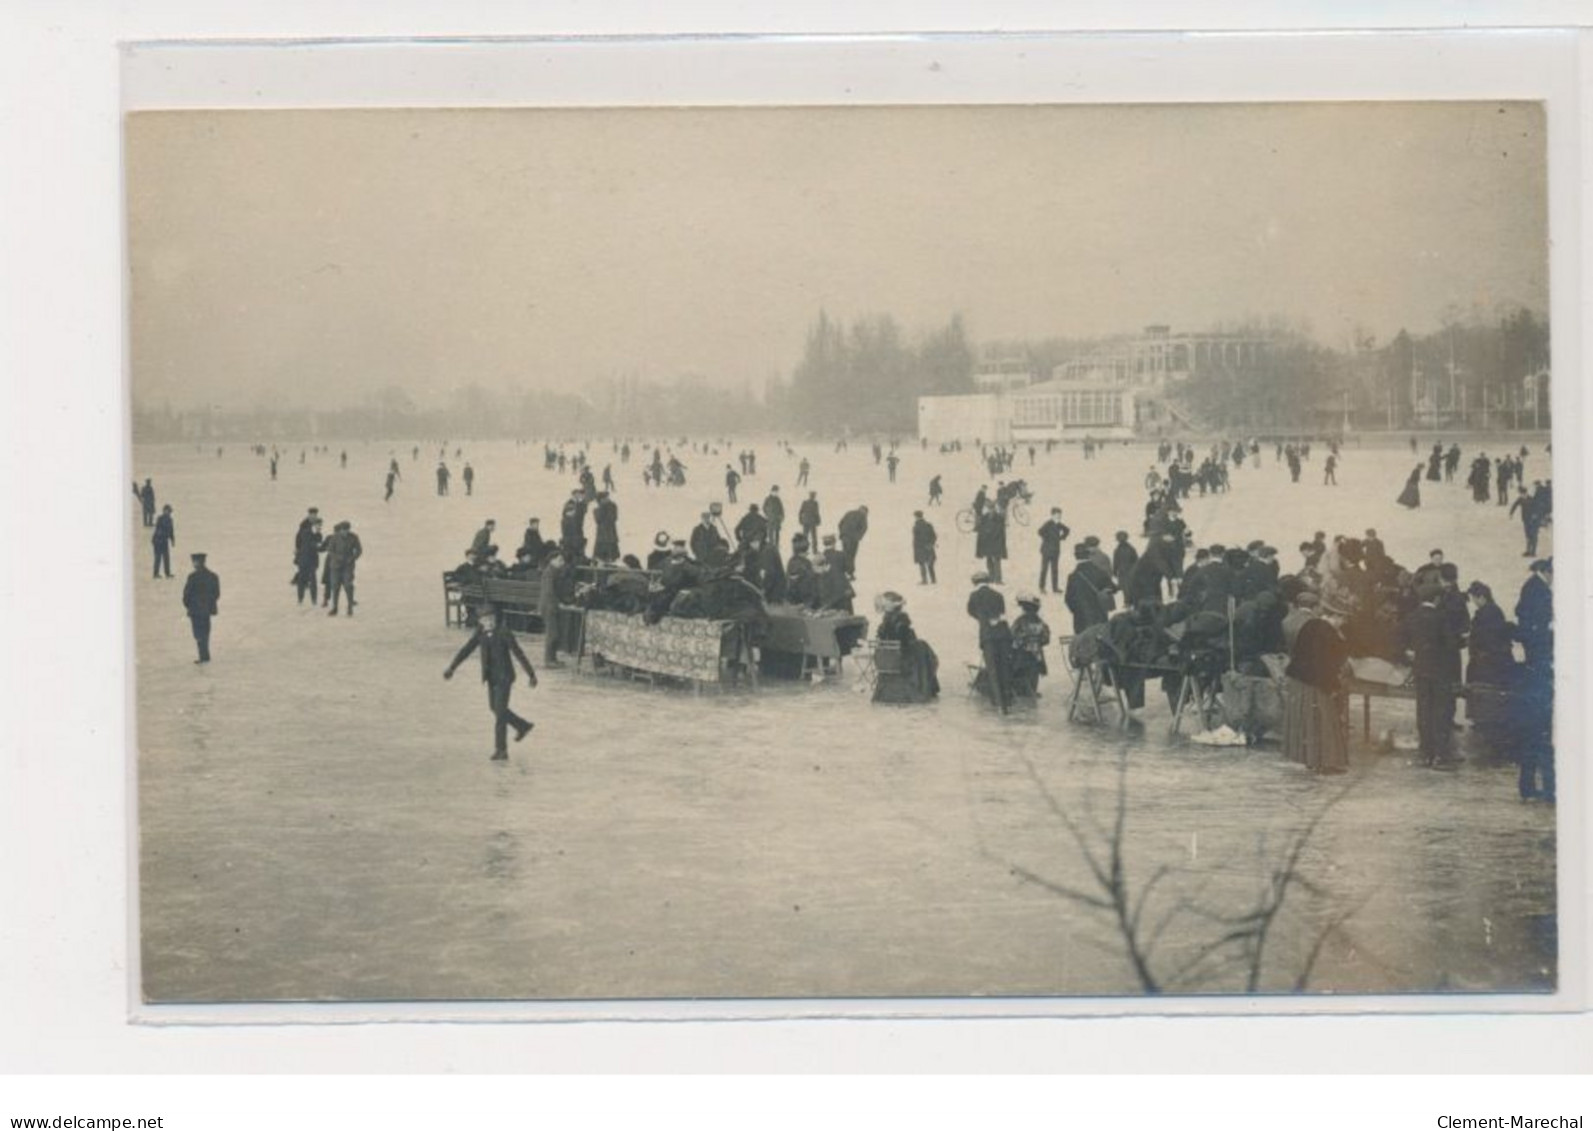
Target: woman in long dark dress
x,y
917,679
1490,662
1411,496
1315,706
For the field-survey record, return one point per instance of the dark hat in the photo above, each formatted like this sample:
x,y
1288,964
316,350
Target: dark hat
x,y
1081,551
166,508
490,522
775,490
1092,541
1543,565
201,557
533,522
918,514
1252,547
677,543
315,510
829,539
1122,536
1478,589
1449,571
799,542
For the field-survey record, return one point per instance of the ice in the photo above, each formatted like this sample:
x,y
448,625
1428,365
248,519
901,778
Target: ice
x,y
319,818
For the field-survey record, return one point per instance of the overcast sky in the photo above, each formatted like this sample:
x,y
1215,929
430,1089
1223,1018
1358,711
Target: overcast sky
x,y
312,257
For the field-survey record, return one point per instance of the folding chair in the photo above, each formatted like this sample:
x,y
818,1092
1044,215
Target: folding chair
x,y
1093,676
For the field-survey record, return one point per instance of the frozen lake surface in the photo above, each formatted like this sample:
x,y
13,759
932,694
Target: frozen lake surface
x,y
319,820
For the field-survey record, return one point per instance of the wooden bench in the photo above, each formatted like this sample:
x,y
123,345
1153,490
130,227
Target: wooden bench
x,y
517,599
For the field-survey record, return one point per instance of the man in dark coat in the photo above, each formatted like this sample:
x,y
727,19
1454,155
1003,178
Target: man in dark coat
x,y
1535,616
533,547
164,538
774,514
1145,581
708,546
1124,555
307,547
808,518
1530,521
343,549
499,653
201,595
732,479
553,588
752,527
1435,649
852,527
483,538
763,569
1052,534
924,539
572,527
990,541
1083,598
146,501
984,603
801,579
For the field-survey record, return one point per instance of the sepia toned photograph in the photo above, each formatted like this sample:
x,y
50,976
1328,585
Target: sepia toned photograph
x,y
842,552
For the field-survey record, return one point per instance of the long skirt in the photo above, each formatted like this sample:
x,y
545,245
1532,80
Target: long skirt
x,y
1316,728
1411,496
917,682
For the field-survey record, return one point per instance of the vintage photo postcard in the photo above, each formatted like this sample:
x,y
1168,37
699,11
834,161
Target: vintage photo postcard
x,y
1018,550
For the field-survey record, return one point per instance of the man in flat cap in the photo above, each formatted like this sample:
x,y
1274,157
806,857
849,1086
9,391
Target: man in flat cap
x,y
201,595
343,549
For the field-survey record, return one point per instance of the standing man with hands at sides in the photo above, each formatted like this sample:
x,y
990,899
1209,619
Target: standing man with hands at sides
x,y
1052,534
499,651
201,593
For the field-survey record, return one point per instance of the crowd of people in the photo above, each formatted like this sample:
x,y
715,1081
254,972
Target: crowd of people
x,y
1192,615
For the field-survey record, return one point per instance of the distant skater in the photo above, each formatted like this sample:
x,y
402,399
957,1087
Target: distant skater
x,y
470,479
499,653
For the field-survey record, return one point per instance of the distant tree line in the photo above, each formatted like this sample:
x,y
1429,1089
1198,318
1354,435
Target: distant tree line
x,y
1476,370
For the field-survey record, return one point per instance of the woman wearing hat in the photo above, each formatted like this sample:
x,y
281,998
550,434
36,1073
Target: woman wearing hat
x,y
1315,706
917,679
1030,635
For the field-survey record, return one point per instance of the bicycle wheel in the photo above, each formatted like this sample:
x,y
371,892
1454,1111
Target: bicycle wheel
x,y
1019,512
965,522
